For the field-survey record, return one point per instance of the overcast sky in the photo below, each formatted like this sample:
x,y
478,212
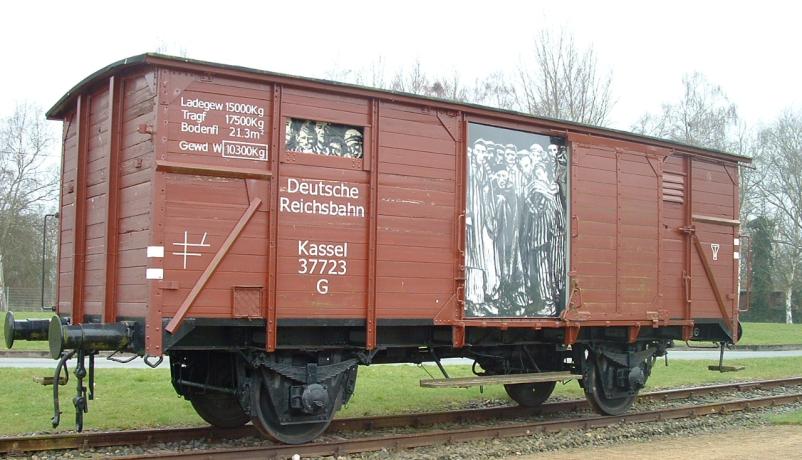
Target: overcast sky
x,y
751,49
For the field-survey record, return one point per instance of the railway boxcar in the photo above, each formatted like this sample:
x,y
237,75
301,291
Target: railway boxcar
x,y
270,233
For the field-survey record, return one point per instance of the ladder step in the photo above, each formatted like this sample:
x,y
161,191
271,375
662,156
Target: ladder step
x,y
48,380
726,368
466,382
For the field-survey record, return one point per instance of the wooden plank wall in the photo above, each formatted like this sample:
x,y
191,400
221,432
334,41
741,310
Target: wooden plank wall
x,y
615,247
417,185
713,196
674,240
211,204
627,244
639,240
94,279
134,198
67,212
296,295
136,171
593,248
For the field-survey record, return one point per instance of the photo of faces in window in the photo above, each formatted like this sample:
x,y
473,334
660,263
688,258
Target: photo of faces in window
x,y
516,223
308,136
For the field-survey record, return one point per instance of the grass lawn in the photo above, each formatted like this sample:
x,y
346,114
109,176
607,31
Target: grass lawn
x,y
771,334
791,418
24,344
133,398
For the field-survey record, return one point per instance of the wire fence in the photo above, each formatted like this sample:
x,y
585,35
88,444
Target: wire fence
x,y
25,298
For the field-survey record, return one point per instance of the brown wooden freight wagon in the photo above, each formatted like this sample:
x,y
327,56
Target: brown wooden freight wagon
x,y
269,233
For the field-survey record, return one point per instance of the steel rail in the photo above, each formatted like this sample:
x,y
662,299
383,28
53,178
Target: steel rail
x,y
406,441
19,444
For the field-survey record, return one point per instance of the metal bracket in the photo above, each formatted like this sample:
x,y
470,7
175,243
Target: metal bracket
x,y
627,359
367,358
571,334
303,374
152,365
632,333
721,367
575,297
144,129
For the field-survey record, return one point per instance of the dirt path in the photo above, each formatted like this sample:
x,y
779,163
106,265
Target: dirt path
x,y
784,442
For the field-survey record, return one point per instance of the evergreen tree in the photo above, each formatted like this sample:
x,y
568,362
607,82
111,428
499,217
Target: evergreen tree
x,y
761,230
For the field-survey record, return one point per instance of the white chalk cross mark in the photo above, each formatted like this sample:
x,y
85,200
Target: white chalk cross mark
x,y
186,244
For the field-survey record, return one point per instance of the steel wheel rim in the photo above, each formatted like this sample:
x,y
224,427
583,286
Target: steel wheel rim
x,y
266,420
530,394
220,410
602,404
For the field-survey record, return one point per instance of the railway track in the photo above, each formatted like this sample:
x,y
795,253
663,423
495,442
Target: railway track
x,y
421,439
23,444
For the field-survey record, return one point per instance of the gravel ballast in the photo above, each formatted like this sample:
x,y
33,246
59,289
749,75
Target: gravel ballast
x,y
506,447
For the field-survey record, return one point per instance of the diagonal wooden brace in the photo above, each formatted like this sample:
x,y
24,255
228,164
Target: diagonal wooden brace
x,y
710,277
176,321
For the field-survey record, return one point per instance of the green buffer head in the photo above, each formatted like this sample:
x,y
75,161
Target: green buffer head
x,y
8,330
89,337
24,329
55,337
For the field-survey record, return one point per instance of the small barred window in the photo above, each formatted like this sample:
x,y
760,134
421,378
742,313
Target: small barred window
x,y
323,138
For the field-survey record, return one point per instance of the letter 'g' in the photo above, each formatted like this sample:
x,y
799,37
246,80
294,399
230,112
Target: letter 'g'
x,y
323,286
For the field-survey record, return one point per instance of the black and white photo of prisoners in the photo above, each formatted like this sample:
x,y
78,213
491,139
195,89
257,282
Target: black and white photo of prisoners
x,y
323,138
515,223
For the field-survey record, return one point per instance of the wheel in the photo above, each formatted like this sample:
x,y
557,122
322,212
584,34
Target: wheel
x,y
266,420
530,394
219,409
600,370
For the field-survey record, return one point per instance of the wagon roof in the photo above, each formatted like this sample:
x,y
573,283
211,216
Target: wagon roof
x,y
57,111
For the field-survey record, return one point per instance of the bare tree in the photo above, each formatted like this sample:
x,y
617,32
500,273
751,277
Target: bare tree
x,y
27,183
414,80
565,82
704,117
780,164
450,88
172,48
411,79
787,255
373,75
751,202
496,91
